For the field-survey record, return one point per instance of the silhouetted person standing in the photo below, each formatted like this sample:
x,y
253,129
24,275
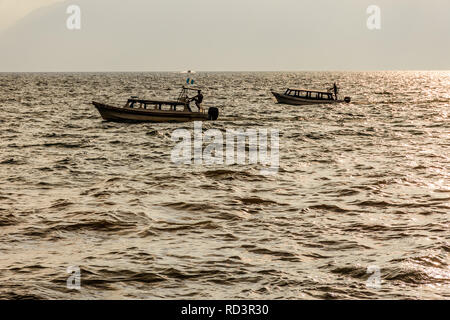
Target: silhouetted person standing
x,y
335,90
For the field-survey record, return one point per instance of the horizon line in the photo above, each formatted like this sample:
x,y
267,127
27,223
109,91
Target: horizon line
x,y
230,71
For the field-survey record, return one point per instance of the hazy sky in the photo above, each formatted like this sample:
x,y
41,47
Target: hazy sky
x,y
13,10
171,35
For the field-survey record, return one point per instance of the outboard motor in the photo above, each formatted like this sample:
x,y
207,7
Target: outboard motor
x,y
347,99
213,113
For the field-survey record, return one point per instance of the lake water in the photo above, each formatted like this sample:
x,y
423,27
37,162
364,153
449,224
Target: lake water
x,y
360,186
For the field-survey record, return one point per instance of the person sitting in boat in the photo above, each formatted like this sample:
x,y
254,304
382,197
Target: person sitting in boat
x,y
198,100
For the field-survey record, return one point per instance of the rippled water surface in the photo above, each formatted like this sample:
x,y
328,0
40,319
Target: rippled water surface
x,y
359,185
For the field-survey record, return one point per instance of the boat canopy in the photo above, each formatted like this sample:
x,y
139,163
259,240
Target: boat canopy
x,y
309,94
155,102
307,90
181,99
